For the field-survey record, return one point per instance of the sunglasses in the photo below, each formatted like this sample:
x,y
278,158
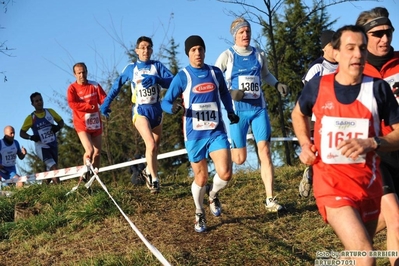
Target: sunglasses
x,y
381,33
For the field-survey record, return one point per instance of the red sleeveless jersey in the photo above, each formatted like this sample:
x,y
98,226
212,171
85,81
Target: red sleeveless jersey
x,y
352,180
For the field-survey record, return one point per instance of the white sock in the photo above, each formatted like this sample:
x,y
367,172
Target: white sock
x,y
147,171
218,184
198,196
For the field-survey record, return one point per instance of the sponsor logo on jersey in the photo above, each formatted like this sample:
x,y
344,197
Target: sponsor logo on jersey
x,y
204,87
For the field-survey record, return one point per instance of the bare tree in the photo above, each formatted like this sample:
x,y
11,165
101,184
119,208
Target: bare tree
x,y
4,49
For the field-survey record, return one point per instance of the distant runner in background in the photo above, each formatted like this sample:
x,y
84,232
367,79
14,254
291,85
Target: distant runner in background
x,y
9,150
84,98
45,123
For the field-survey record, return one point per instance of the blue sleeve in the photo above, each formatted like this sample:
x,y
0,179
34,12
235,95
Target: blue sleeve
x,y
223,91
127,74
165,74
176,88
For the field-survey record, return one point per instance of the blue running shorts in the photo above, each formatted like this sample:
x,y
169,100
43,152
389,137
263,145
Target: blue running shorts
x,y
258,120
198,150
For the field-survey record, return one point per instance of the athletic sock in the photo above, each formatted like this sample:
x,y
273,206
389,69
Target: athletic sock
x,y
218,184
198,196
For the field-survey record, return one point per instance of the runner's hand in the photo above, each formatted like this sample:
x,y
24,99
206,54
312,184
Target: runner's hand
x,y
234,119
177,106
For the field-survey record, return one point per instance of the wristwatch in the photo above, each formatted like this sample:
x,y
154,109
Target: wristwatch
x,y
377,142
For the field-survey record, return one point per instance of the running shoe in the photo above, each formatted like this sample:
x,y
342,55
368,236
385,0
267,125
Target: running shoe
x,y
200,223
272,205
306,183
148,179
155,187
215,206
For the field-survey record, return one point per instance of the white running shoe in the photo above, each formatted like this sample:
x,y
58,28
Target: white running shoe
x,y
215,206
148,179
200,223
272,205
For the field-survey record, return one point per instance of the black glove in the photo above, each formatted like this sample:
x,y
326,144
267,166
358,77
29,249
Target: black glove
x,y
237,95
282,88
177,106
234,119
34,138
55,128
395,86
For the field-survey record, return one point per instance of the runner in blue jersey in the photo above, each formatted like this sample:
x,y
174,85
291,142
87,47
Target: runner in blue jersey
x,y
147,77
202,88
245,69
45,123
9,150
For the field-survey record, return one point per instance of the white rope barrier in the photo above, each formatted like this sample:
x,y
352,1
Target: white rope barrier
x,y
152,248
77,171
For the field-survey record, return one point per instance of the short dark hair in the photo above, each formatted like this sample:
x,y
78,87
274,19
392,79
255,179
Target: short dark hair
x,y
143,39
33,95
81,64
336,38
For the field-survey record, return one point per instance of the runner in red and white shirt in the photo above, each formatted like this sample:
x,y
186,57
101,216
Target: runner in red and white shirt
x,y
84,98
347,179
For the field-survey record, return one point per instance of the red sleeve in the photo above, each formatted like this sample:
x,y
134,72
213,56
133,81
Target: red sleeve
x,y
74,102
101,94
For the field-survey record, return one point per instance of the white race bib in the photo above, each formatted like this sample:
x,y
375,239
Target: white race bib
x,y
46,135
147,96
336,129
250,85
205,116
92,121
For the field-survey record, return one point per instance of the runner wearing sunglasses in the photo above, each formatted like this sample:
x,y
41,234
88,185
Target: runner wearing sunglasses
x,y
383,62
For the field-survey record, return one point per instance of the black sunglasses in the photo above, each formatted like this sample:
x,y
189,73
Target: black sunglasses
x,y
381,33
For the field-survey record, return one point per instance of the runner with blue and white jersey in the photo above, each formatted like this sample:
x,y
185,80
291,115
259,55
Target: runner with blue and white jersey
x,y
245,69
202,89
146,77
9,151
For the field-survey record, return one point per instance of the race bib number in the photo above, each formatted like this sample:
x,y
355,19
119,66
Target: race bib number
x,y
147,95
92,121
336,129
250,85
46,135
10,159
205,116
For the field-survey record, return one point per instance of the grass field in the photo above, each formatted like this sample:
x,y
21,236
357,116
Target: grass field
x,y
87,229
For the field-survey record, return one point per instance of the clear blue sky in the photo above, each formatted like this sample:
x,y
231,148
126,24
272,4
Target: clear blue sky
x,y
50,36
